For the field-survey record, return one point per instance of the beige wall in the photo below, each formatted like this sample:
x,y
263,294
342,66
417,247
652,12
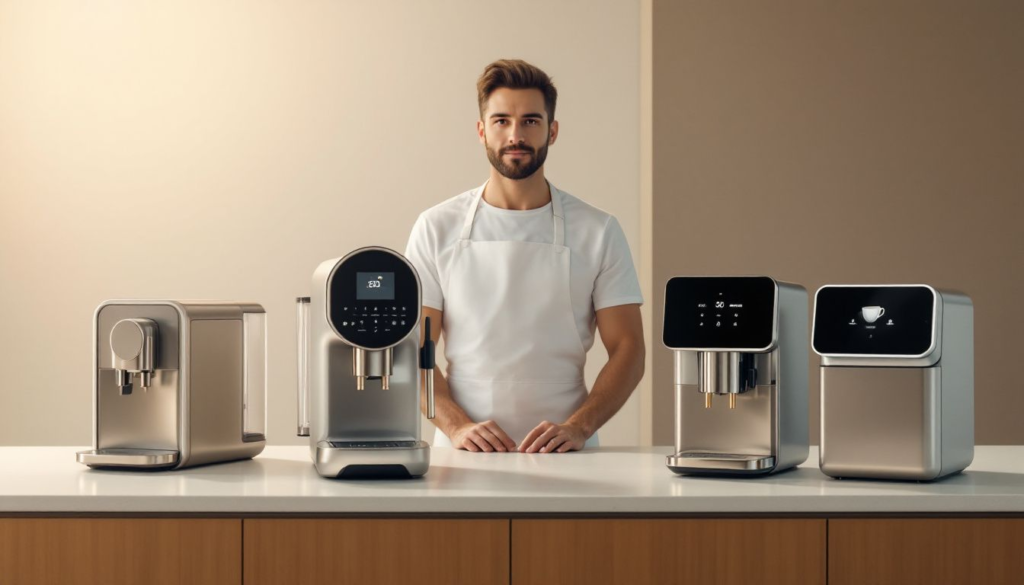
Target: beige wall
x,y
824,142
221,149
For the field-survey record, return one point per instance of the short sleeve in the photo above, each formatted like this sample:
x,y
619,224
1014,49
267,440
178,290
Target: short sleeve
x,y
616,282
422,253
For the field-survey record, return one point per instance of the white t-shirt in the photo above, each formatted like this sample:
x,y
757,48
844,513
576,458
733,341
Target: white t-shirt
x,y
602,272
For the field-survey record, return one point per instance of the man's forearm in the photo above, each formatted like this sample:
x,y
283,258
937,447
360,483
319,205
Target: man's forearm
x,y
617,380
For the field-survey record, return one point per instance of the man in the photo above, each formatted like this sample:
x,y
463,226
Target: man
x,y
518,273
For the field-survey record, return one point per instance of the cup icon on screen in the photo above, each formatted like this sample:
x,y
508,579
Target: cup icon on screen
x,y
871,314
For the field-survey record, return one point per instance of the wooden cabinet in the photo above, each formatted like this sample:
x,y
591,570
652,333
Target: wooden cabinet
x,y
937,551
378,551
658,551
594,551
116,551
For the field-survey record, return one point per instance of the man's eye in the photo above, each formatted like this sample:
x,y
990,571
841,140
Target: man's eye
x,y
532,122
501,122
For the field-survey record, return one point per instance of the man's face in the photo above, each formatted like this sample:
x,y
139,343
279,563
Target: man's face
x,y
516,132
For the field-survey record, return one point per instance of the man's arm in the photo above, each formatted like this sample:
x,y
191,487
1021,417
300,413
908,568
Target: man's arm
x,y
449,417
622,332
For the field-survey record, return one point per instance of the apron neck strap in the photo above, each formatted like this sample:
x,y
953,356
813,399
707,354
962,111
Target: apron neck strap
x,y
557,215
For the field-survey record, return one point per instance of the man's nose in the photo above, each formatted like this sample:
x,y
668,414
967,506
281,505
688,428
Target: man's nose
x,y
514,135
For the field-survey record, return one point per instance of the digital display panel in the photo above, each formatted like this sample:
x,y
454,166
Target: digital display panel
x,y
873,320
727,312
375,286
373,298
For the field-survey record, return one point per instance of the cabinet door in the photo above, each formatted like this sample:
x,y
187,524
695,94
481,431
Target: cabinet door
x,y
936,551
381,552
659,551
116,551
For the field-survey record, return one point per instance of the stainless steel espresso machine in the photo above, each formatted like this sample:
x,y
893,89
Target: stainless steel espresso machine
x,y
177,383
897,381
741,360
360,367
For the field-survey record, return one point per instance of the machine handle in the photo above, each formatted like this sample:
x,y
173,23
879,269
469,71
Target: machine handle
x,y
427,365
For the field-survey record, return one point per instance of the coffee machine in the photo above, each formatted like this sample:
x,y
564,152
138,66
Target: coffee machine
x,y
361,367
177,383
897,381
740,373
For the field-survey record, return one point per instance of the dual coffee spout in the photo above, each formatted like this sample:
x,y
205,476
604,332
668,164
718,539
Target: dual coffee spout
x,y
725,372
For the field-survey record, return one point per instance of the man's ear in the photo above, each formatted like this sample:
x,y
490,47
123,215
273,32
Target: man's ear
x,y
553,132
480,131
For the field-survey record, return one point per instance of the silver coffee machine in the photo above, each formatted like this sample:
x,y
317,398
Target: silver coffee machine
x,y
361,365
741,364
177,383
897,381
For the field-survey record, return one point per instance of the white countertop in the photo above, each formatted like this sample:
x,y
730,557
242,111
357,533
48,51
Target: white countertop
x,y
604,481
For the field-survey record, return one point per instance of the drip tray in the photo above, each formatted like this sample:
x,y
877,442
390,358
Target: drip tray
x,y
151,458
374,444
701,460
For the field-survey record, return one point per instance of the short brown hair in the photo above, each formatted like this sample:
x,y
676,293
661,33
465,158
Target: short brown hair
x,y
516,74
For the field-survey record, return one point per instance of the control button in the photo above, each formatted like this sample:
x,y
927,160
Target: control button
x,y
396,322
718,324
403,322
701,323
735,324
344,323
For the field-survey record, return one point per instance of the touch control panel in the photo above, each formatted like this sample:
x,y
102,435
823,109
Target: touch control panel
x,y
373,299
874,320
725,312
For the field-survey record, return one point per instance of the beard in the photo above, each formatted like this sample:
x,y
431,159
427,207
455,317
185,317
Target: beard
x,y
517,169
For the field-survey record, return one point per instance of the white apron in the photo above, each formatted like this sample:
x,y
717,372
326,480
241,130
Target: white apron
x,y
514,354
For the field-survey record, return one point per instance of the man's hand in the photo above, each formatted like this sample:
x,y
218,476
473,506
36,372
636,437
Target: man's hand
x,y
549,437
484,436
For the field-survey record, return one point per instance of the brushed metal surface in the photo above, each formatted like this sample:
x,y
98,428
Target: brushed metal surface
x,y
215,393
331,461
880,422
154,458
696,461
144,419
744,430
